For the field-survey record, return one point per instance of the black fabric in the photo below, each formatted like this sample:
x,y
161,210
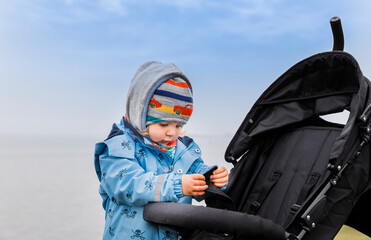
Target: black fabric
x,y
202,235
213,220
360,216
298,154
216,198
267,187
344,198
308,186
304,192
310,155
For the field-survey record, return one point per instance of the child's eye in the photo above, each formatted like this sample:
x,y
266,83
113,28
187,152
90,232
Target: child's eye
x,y
179,126
164,124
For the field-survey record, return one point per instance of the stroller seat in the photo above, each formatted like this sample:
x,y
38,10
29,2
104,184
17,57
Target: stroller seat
x,y
288,170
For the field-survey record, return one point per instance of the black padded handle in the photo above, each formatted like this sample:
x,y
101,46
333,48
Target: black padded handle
x,y
215,220
337,32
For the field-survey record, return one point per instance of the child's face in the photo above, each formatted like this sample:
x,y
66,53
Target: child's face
x,y
164,132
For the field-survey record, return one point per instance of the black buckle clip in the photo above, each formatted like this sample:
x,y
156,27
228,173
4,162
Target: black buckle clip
x,y
255,206
294,208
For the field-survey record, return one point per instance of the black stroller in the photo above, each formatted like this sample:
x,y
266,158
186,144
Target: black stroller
x,y
295,175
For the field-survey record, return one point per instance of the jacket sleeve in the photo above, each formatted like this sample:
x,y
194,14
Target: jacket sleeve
x,y
199,166
126,182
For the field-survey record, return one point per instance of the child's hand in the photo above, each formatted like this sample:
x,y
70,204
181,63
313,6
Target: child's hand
x,y
220,177
193,185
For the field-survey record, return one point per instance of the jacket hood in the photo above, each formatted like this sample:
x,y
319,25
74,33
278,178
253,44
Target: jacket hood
x,y
146,80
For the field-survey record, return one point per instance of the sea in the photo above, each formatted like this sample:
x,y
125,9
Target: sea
x,y
49,188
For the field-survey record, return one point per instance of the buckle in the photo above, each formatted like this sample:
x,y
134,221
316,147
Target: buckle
x,y
294,208
255,206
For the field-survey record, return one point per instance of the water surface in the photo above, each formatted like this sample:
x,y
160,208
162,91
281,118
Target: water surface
x,y
49,189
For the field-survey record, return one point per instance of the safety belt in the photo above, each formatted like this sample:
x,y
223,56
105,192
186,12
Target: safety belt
x,y
306,189
268,186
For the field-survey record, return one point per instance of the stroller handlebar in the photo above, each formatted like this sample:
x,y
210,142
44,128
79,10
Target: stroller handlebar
x,y
337,32
180,215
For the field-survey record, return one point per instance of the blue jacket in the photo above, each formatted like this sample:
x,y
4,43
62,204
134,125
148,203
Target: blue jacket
x,y
133,173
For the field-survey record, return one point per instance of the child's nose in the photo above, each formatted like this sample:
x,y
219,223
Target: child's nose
x,y
171,131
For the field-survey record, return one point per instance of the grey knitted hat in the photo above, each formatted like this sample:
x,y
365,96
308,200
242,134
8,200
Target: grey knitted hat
x,y
172,101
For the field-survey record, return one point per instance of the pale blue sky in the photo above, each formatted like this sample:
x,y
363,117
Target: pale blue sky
x,y
65,65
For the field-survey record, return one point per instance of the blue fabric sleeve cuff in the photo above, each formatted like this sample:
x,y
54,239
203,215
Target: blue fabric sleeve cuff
x,y
178,186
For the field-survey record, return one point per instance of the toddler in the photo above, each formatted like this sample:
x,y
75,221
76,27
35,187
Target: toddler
x,y
145,159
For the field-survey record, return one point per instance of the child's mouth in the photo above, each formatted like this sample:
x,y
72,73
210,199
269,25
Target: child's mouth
x,y
167,142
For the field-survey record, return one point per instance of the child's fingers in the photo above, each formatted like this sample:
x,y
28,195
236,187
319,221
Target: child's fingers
x,y
198,179
199,182
197,176
220,180
219,175
198,193
193,185
200,188
220,185
220,169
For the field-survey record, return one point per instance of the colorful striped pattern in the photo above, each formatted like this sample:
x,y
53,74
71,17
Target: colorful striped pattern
x,y
178,84
173,95
171,101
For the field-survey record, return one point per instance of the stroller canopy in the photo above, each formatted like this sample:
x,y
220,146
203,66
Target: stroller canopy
x,y
325,83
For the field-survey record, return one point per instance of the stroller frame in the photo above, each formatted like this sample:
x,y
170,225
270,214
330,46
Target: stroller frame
x,y
306,216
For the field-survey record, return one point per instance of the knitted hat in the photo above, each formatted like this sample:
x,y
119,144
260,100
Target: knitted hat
x,y
172,101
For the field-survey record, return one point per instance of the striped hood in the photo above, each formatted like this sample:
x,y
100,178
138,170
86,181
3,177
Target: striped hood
x,y
149,83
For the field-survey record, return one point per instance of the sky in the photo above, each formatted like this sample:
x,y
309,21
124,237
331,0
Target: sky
x,y
66,65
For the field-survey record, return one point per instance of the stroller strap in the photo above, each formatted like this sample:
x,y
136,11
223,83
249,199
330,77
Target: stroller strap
x,y
312,181
255,205
306,189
